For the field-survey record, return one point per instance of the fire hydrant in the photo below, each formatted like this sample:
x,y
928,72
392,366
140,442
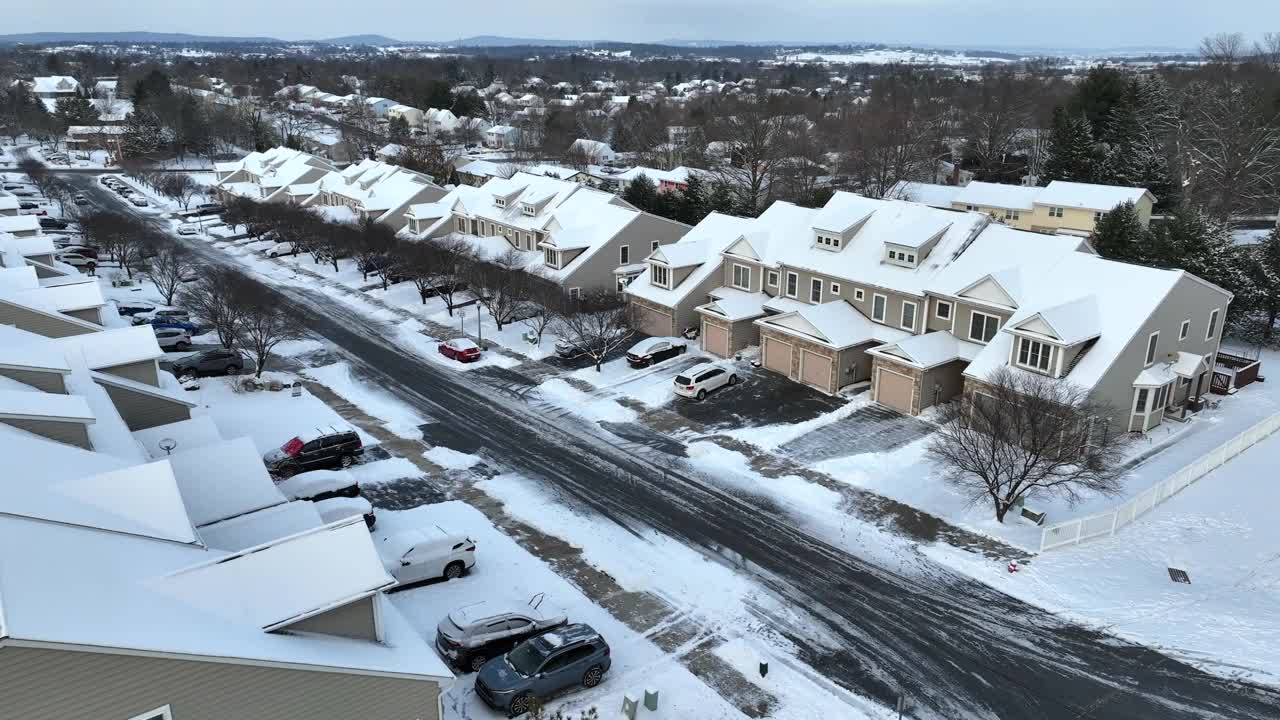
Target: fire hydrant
x,y
1013,566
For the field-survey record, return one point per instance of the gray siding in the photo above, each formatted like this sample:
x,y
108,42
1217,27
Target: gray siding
x,y
597,271
50,382
45,684
141,411
353,621
942,382
964,313
854,364
39,323
143,371
71,433
1188,299
93,315
848,293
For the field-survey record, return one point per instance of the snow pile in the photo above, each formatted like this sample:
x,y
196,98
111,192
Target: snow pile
x,y
769,437
450,459
396,416
562,394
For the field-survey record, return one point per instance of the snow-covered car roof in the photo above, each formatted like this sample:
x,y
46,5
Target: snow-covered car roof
x,y
335,509
310,484
462,343
478,612
648,343
696,369
318,432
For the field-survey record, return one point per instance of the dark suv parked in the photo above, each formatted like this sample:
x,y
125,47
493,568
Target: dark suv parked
x,y
209,362
319,449
543,666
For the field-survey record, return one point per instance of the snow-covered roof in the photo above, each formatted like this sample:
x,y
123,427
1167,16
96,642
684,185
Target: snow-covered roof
x,y
262,526
930,349
65,297
28,246
55,84
223,480
733,304
999,195
21,349
374,186
19,224
483,168
939,196
701,246
275,169
563,173
591,148
1088,196
314,482
35,405
837,324
113,346
188,434
9,202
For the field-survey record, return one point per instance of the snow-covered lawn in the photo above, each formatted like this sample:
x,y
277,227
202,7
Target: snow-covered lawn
x,y
1221,530
395,415
562,394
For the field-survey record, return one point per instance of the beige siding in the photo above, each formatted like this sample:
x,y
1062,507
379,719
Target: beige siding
x,y
354,621
893,304
942,383
39,323
41,684
141,411
639,234
143,371
50,382
964,313
71,433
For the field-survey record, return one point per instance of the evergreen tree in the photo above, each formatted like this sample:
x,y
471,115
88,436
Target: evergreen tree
x,y
75,110
143,134
1071,154
691,202
721,199
1119,234
398,130
1121,135
641,193
1266,278
1192,240
152,90
1102,88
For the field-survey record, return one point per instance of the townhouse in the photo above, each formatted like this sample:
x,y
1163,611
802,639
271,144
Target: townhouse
x,y
369,190
502,137
1059,207
53,87
412,116
265,176
924,303
581,238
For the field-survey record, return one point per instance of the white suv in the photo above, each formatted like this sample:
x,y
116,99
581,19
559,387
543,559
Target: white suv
x,y
428,553
699,380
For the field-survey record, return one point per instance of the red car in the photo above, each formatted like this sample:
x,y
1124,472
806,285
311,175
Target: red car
x,y
460,349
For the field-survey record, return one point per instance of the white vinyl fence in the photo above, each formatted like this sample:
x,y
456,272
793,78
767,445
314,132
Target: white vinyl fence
x,y
1106,523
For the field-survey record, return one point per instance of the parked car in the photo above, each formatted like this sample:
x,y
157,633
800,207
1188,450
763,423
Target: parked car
x,y
281,248
106,179
568,349
428,554
161,314
85,250
173,339
23,192
218,361
472,635
80,199
317,485
49,223
188,229
654,350
188,274
340,508
76,260
544,666
699,380
330,447
128,308
138,201
212,208
460,349
28,205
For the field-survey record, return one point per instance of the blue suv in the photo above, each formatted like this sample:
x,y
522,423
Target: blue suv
x,y
543,666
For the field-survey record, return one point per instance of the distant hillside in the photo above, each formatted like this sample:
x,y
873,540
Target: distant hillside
x,y
500,41
362,40
45,38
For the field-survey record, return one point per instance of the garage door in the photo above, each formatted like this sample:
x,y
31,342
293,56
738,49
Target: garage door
x,y
815,370
715,339
652,322
894,390
777,356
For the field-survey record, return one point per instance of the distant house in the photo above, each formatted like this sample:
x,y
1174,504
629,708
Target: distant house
x,y
1061,207
502,137
370,190
411,115
479,172
95,137
55,86
379,105
594,151
264,176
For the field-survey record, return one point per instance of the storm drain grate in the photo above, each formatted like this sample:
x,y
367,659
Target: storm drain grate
x,y
1179,576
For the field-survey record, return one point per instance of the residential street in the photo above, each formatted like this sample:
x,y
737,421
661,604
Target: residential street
x,y
957,647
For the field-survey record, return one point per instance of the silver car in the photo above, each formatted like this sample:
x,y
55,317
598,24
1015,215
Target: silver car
x,y
474,634
173,339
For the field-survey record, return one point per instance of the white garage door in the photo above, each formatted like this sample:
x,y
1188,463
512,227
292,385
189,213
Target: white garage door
x,y
715,339
894,390
652,322
777,356
815,370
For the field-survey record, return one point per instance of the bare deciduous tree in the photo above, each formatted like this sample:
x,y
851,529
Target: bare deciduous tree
x,y
1020,434
167,268
265,322
215,300
597,323
446,274
500,283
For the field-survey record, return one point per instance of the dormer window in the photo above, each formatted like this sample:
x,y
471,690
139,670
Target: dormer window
x,y
1034,355
660,275
527,209
828,242
905,258
551,257
499,202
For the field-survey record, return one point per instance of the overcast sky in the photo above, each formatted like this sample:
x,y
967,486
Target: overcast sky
x,y
972,23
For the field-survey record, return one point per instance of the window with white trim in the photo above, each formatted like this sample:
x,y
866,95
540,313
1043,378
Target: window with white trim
x,y
983,327
461,224
1034,355
575,293
624,254
859,295
551,257
1012,215
1185,329
742,277
942,310
773,278
835,288
527,209
879,305
1152,341
660,275
793,284
815,290
160,713
908,315
826,241
500,202
1213,325
1055,212
1097,216
654,246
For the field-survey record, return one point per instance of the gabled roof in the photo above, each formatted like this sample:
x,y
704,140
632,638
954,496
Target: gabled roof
x,y
929,350
24,405
700,247
999,195
1070,322
223,480
1088,195
733,304
262,526
19,223
939,196
21,349
113,346
836,324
